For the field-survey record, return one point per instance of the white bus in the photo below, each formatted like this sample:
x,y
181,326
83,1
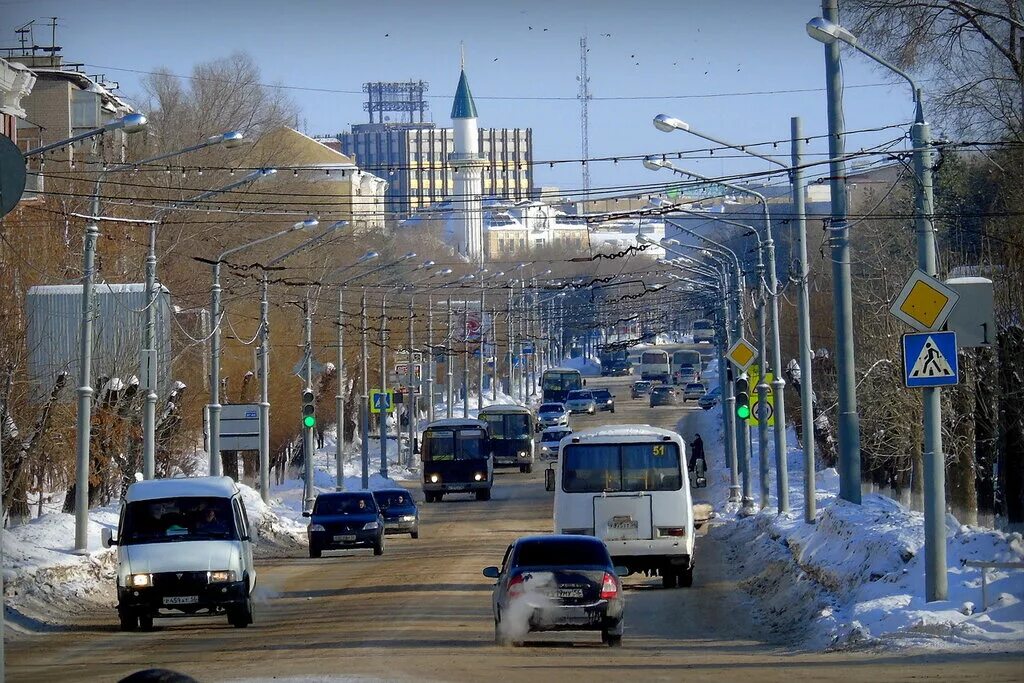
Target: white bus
x,y
703,331
628,486
654,364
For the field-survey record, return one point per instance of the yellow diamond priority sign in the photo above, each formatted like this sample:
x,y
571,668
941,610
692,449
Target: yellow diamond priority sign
x,y
924,303
742,354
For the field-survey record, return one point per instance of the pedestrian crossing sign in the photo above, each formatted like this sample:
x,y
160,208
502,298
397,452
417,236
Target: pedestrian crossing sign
x,y
930,360
382,401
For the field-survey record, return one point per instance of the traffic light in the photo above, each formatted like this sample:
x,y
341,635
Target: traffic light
x,y
308,409
742,398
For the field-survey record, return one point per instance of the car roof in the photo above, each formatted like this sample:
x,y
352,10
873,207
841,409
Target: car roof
x,y
505,408
553,430
393,489
663,387
181,487
559,538
361,493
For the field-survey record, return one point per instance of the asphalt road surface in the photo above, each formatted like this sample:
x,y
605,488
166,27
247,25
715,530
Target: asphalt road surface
x,y
421,612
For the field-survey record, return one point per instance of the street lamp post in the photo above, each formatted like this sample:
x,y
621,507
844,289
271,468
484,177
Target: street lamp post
x,y
215,318
827,31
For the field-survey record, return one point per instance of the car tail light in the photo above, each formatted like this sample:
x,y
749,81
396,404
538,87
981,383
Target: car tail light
x,y
609,587
517,586
671,531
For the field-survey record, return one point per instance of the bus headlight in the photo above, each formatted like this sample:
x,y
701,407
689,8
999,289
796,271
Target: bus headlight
x,y
522,454
140,580
478,477
434,478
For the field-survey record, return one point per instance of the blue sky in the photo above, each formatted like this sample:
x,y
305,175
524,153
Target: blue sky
x,y
688,48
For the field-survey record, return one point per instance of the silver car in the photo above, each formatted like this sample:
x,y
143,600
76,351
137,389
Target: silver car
x,y
549,440
552,415
693,391
581,401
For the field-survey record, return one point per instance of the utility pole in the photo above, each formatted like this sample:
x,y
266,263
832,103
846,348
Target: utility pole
x,y
411,406
494,357
465,359
307,432
84,391
339,399
431,366
839,231
450,358
480,366
509,343
264,353
364,409
384,384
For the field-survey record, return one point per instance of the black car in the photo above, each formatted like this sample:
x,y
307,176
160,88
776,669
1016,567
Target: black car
x,y
604,399
664,395
399,511
556,583
345,520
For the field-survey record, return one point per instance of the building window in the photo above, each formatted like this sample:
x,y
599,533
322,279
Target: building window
x,y
85,109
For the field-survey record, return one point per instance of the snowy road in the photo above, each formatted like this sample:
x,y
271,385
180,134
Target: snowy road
x,y
422,612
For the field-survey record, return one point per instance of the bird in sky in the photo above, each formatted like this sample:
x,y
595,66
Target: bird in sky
x,y
495,59
387,35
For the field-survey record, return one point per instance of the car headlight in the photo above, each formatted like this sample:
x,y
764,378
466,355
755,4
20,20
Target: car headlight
x,y
434,478
408,518
369,526
545,449
316,527
221,576
140,580
478,476
522,454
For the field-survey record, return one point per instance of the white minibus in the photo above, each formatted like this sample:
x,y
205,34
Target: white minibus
x,y
628,486
654,365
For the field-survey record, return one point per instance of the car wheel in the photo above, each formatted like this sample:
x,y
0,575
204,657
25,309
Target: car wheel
x,y
611,639
415,534
522,469
315,552
500,638
240,617
145,622
378,547
686,577
669,578
613,409
483,494
128,620
529,468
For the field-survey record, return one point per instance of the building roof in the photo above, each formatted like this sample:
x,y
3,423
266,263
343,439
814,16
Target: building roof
x,y
463,107
182,487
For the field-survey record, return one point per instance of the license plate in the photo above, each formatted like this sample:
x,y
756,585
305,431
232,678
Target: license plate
x,y
458,488
567,593
345,538
181,600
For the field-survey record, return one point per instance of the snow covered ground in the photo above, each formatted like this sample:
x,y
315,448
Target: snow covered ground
x,y
856,576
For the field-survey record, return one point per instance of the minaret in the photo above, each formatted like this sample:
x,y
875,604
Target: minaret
x,y
468,164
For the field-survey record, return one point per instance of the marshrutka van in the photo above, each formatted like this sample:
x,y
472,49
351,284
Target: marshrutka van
x,y
184,549
510,429
628,486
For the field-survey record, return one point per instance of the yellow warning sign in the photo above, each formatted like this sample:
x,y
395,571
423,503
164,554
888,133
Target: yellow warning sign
x,y
924,303
742,354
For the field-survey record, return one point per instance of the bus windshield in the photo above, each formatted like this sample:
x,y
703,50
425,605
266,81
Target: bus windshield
x,y
654,357
446,444
597,468
507,426
562,381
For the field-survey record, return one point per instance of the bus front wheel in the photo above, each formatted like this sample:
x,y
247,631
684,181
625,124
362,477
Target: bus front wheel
x,y
483,494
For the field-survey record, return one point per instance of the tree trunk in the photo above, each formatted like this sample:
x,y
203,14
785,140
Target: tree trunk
x,y
229,464
249,467
986,430
961,470
917,462
1011,421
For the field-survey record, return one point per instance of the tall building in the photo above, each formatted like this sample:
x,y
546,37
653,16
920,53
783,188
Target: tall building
x,y
413,155
467,162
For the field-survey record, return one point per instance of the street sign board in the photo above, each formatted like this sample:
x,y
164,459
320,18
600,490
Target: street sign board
x,y
741,354
382,401
974,318
930,360
300,368
240,427
528,350
754,377
924,303
401,373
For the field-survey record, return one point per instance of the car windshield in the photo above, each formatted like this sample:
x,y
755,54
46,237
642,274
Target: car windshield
x,y
446,444
556,436
178,519
551,408
580,395
695,387
602,393
569,553
504,426
388,499
596,468
349,504
641,386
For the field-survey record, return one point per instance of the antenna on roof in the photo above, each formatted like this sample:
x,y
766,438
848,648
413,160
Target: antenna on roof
x,y
462,55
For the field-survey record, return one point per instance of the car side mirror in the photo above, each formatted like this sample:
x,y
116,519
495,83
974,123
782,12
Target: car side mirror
x,y
107,537
549,479
622,571
492,572
307,513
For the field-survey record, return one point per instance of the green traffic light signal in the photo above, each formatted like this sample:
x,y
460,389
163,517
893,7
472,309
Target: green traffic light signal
x,y
309,421
743,412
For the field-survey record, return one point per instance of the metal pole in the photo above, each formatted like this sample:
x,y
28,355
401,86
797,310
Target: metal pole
x,y
150,363
778,382
339,398
364,408
264,352
936,579
84,392
384,385
804,314
216,469
309,443
849,421
508,343
465,358
762,389
494,358
450,359
411,411
480,365
431,368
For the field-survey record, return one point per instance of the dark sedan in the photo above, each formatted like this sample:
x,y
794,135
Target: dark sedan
x,y
399,511
556,583
345,520
664,395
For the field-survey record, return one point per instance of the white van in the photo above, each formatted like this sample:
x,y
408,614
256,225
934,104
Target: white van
x,y
184,548
628,485
655,364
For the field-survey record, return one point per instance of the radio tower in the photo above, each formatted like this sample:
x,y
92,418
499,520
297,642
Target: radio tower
x,y
584,97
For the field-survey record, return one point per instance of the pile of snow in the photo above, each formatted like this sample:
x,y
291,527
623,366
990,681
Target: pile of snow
x,y
856,576
588,366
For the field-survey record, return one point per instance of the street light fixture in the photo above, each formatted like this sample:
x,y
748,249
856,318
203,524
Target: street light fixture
x,y
129,123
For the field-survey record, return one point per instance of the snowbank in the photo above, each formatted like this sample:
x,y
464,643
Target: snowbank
x,y
589,367
856,576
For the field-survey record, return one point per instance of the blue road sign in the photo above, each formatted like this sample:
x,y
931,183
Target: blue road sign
x,y
381,401
930,360
528,350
